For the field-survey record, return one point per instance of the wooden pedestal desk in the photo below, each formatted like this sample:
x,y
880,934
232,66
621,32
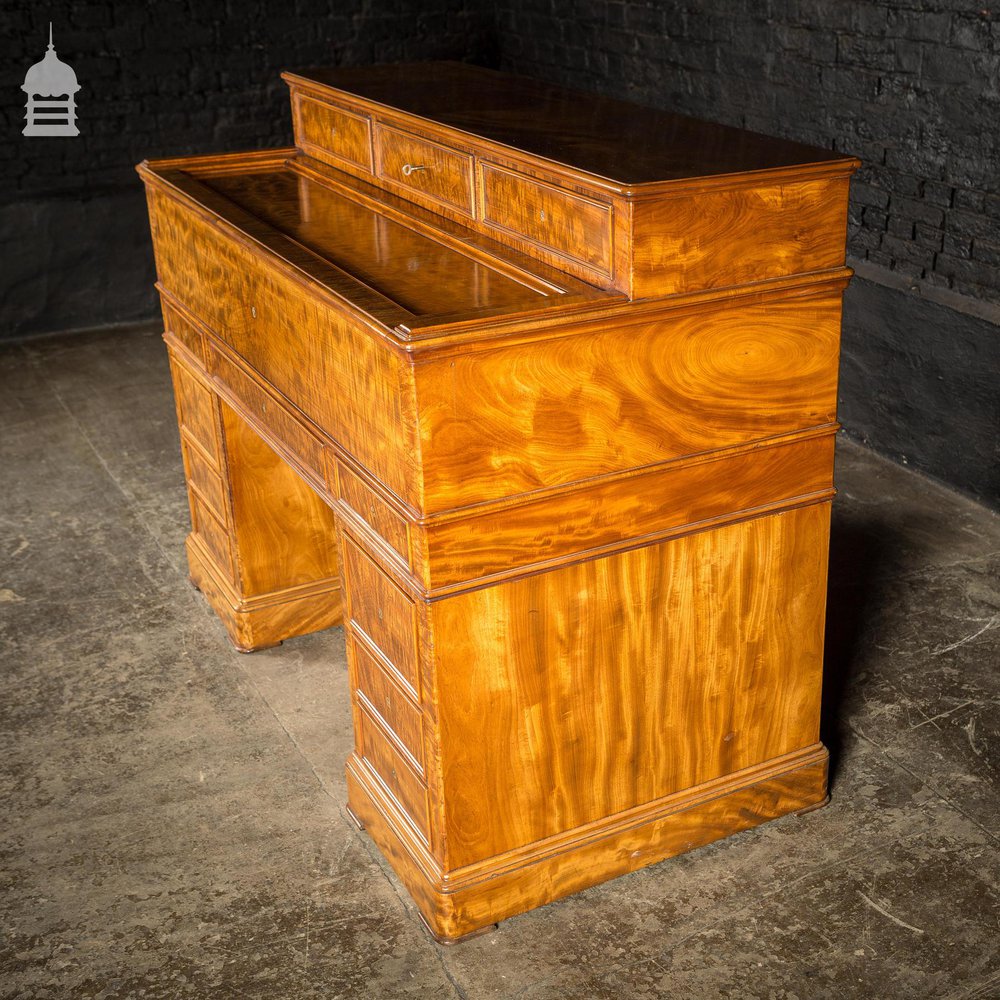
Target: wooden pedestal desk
x,y
536,390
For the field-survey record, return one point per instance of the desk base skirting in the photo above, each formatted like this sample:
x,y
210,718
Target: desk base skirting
x,y
459,903
265,620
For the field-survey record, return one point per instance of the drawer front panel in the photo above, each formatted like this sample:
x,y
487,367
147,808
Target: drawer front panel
x,y
197,410
568,224
204,479
383,696
267,411
382,611
334,135
374,511
177,325
424,169
399,778
213,534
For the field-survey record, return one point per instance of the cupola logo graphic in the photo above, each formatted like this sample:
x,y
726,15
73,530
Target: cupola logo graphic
x,y
50,86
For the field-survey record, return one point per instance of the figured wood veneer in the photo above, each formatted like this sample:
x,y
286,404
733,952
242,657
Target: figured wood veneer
x,y
333,134
262,547
564,402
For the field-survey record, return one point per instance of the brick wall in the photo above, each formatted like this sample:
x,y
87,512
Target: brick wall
x,y
177,77
912,87
162,79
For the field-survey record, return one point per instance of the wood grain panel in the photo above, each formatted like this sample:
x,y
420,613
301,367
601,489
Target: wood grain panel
x,y
457,903
390,702
256,623
617,681
623,511
307,351
196,409
196,263
374,511
203,478
285,534
424,170
385,615
736,236
214,535
333,135
178,326
267,410
395,260
501,422
392,768
573,226
588,134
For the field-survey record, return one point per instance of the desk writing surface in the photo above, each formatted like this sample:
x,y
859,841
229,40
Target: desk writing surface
x,y
394,271
422,275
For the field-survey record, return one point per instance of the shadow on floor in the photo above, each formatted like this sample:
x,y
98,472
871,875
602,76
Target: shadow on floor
x,y
858,552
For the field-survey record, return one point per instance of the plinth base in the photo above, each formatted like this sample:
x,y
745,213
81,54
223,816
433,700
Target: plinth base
x,y
457,903
264,620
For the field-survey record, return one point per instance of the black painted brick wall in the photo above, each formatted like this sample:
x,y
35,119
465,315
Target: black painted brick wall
x,y
159,79
178,77
912,87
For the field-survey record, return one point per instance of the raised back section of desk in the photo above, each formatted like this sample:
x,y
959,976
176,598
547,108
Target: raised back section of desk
x,y
556,377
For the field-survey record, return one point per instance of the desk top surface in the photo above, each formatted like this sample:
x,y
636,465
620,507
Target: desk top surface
x,y
400,273
628,143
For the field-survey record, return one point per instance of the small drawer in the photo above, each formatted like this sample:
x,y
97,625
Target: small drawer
x,y
196,409
213,533
384,698
262,407
202,477
399,778
333,135
568,224
382,611
374,511
426,170
177,326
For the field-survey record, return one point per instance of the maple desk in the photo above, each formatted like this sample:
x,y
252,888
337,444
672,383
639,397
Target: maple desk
x,y
556,377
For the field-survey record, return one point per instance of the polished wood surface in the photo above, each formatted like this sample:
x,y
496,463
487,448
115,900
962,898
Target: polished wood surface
x,y
614,139
554,409
553,670
561,176
263,543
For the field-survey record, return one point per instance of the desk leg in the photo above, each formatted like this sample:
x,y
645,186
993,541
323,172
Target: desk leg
x,y
262,548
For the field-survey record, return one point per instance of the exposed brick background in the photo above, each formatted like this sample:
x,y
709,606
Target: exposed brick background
x,y
159,79
170,77
912,87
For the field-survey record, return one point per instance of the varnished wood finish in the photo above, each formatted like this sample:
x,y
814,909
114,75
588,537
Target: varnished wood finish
x,y
456,903
613,139
423,170
579,229
553,672
333,134
617,194
566,398
262,547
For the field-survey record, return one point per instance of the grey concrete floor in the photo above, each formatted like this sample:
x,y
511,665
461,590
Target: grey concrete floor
x,y
173,816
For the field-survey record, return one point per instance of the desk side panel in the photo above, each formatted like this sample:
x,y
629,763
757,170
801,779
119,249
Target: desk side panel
x,y
511,418
616,682
734,236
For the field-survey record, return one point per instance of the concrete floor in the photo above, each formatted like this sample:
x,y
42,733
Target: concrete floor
x,y
173,813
